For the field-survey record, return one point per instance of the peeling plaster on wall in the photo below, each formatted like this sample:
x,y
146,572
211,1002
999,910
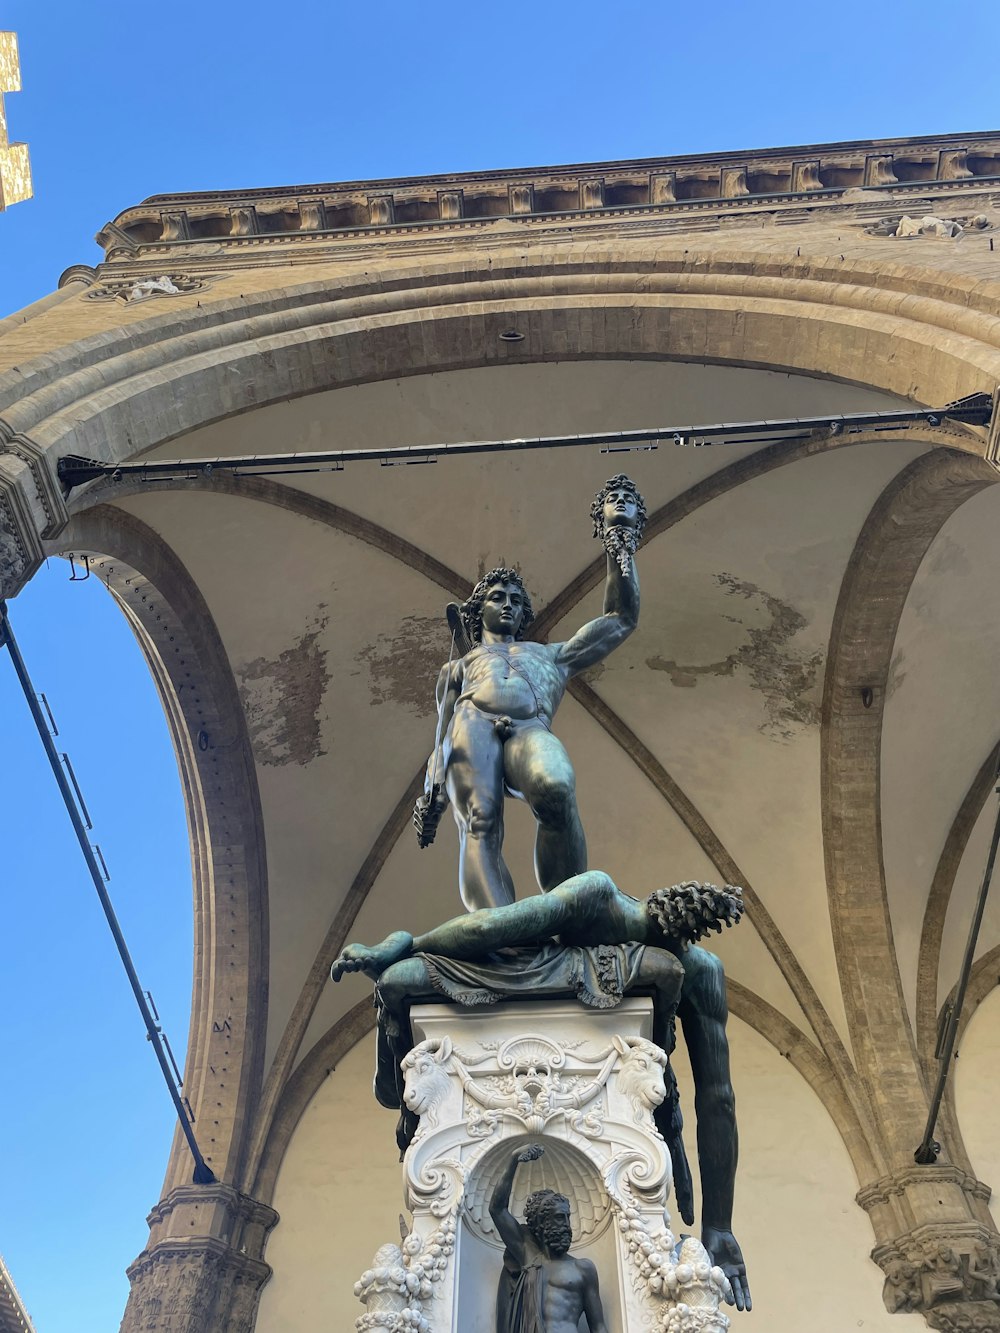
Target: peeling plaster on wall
x,y
403,667
282,698
783,675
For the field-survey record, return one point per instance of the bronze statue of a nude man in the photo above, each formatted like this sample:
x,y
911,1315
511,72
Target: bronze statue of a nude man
x,y
497,702
543,1288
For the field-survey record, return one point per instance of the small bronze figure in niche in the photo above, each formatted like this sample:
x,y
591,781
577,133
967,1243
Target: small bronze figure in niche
x,y
543,1288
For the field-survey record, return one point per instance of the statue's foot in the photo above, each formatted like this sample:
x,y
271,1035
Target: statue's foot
x,y
373,959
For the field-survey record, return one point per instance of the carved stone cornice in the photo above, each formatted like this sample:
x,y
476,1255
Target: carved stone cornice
x,y
47,488
14,1317
717,182
882,1191
242,1219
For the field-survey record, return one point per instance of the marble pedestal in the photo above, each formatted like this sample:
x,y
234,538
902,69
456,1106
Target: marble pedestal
x,y
581,1082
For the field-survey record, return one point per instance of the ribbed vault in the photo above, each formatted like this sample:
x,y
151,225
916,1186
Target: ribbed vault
x,y
727,739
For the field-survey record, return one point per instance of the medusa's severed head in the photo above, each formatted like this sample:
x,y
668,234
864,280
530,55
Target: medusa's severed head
x,y
618,504
619,515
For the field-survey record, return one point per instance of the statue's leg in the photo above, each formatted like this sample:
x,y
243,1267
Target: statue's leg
x,y
537,765
403,984
475,786
590,903
660,972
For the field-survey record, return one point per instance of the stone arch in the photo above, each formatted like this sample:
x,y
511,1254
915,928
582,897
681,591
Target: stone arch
x,y
133,392
119,394
182,648
887,554
942,887
856,1111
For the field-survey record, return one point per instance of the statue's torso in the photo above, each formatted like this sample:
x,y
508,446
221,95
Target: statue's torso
x,y
517,680
553,1289
563,1301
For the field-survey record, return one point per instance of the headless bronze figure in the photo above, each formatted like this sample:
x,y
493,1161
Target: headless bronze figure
x,y
589,910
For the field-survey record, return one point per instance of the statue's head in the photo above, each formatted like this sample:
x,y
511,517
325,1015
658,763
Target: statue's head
x,y
500,601
546,1215
618,504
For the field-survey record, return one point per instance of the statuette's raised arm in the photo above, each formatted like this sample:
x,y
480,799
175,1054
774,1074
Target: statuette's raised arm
x,y
510,1230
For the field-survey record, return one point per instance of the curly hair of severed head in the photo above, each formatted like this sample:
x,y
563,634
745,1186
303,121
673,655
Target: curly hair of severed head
x,y
538,1216
620,542
685,912
472,607
618,483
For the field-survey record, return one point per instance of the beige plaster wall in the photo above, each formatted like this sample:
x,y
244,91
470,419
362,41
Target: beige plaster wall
x,y
338,1196
943,670
805,1239
977,1090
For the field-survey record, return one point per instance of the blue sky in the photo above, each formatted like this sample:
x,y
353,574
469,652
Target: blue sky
x,y
120,104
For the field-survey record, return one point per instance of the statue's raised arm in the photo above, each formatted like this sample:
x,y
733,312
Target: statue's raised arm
x,y
619,516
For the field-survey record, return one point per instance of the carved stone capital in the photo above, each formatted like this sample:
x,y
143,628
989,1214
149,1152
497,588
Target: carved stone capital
x,y
22,519
937,1267
938,1247
203,1268
48,492
966,1317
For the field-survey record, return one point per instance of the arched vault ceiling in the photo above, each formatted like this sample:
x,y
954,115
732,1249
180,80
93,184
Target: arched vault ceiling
x,y
334,630
429,504
631,832
311,620
724,683
944,673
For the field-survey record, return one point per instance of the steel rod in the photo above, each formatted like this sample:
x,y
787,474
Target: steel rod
x,y
203,1174
75,471
927,1153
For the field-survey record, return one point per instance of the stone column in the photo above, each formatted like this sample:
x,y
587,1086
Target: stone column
x,y
202,1271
